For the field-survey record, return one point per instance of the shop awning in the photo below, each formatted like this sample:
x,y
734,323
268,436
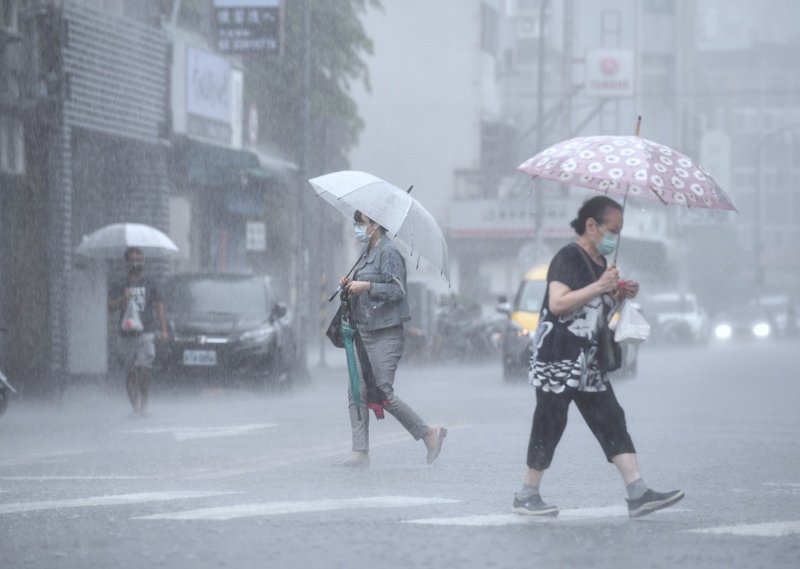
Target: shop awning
x,y
211,165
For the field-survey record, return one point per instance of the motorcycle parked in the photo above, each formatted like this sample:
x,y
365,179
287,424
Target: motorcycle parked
x,y
6,389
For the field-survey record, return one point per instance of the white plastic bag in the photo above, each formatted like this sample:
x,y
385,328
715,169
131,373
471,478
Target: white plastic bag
x,y
631,324
131,322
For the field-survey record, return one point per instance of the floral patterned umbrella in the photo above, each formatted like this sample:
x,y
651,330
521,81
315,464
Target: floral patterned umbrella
x,y
629,165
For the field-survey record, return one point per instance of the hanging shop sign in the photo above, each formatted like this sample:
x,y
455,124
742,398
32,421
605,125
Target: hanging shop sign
x,y
208,95
246,26
610,73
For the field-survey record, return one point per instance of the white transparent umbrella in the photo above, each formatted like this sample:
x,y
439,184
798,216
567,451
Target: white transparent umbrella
x,y
110,242
407,222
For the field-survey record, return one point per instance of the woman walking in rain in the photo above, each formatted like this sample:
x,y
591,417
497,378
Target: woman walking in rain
x,y
581,289
379,308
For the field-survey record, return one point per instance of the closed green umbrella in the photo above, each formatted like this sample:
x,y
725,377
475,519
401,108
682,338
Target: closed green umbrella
x,y
352,368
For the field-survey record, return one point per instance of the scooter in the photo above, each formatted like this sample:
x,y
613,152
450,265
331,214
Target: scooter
x,y
6,389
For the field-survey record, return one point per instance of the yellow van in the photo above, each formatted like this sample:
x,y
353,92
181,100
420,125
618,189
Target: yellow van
x,y
523,318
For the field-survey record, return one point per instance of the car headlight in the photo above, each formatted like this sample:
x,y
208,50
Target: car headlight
x,y
762,330
723,331
259,335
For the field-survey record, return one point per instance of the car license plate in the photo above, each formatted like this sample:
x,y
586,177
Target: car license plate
x,y
199,358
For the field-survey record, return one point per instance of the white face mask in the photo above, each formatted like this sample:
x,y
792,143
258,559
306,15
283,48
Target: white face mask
x,y
361,233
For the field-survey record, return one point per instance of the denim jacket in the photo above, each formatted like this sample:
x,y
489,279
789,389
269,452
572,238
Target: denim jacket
x,y
386,303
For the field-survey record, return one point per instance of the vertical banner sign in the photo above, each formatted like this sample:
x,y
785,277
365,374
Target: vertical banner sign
x,y
248,26
208,95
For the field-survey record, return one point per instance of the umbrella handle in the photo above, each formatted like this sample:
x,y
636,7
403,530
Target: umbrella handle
x,y
340,287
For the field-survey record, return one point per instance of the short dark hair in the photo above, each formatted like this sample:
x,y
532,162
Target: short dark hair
x,y
130,251
358,217
594,208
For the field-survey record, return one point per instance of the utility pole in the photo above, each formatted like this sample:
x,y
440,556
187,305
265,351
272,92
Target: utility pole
x,y
302,259
537,184
566,70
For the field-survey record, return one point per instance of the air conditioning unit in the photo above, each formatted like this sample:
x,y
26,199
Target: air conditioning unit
x,y
12,146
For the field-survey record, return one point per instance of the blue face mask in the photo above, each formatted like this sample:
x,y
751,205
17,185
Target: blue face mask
x,y
608,244
361,233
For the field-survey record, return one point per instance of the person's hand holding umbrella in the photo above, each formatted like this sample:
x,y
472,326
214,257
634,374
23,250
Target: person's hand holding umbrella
x,y
354,287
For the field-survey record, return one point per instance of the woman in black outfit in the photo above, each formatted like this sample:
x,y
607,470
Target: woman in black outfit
x,y
581,289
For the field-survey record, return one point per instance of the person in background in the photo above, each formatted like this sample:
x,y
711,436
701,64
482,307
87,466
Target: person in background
x,y
581,289
138,301
379,309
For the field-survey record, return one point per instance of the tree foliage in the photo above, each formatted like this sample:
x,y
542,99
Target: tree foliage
x,y
338,44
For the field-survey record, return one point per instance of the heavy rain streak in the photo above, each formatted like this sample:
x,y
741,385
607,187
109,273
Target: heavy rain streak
x,y
399,283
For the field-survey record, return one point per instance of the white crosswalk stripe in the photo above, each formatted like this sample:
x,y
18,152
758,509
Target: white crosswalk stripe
x,y
766,529
113,500
282,508
191,433
575,514
76,477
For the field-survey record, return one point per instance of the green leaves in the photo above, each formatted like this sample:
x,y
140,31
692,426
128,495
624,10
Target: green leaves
x,y
338,44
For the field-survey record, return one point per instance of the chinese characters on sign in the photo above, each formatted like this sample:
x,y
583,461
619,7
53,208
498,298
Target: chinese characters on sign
x,y
245,26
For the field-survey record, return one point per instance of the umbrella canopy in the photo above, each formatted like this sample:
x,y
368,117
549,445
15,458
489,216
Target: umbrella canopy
x,y
629,166
110,242
411,226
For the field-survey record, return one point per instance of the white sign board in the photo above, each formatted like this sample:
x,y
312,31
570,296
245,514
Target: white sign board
x,y
480,219
256,236
610,73
252,124
247,26
208,86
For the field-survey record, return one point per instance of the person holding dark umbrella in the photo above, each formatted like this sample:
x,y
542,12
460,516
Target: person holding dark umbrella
x,y
379,303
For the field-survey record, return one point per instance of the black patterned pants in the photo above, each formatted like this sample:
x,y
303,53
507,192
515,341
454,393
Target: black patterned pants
x,y
601,411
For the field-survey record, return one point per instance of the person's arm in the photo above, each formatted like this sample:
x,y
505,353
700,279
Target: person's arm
x,y
162,319
117,298
563,299
154,291
394,271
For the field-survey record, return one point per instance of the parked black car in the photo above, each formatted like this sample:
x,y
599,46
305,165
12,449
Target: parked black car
x,y
228,327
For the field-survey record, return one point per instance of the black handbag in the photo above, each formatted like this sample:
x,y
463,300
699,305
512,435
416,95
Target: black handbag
x,y
609,352
334,331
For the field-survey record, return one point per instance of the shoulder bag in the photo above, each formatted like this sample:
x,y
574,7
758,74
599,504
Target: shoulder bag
x,y
609,352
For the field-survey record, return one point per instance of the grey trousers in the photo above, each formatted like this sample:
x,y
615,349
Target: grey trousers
x,y
384,348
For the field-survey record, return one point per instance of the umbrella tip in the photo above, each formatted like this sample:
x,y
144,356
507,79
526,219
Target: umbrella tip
x,y
408,191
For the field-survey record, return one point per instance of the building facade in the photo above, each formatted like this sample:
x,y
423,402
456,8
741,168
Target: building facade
x,y
111,112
